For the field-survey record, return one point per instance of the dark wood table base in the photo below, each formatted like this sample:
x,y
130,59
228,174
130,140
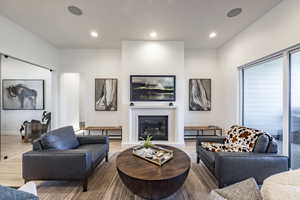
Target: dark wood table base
x,y
150,181
153,190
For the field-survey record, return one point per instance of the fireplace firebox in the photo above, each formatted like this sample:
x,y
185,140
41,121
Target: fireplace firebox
x,y
156,126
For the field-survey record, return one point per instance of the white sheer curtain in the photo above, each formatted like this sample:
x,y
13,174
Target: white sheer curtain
x,y
262,107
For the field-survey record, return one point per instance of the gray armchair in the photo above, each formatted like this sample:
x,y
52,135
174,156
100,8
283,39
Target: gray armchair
x,y
61,155
233,167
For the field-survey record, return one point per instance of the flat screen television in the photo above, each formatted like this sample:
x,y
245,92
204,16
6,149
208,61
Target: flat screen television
x,y
152,88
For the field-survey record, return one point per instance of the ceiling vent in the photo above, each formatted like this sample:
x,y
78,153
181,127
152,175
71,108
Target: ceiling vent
x,y
234,12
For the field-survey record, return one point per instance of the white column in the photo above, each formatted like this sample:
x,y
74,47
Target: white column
x,y
286,103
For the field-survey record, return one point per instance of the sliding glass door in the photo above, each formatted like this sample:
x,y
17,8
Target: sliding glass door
x,y
295,110
22,113
262,97
271,100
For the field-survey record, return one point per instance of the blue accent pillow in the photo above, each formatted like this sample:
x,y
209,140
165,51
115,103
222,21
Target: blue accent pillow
x,y
60,139
7,193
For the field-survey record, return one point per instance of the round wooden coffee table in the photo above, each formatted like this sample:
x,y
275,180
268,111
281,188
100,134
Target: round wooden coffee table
x,y
151,181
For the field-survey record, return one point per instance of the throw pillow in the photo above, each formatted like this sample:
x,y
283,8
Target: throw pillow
x,y
216,147
261,144
7,193
273,147
242,136
245,190
238,139
60,139
213,195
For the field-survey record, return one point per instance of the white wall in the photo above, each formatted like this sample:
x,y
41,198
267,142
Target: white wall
x,y
11,120
106,63
91,64
69,100
202,63
20,43
275,31
153,58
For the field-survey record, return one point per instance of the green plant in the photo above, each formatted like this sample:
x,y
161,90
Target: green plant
x,y
147,142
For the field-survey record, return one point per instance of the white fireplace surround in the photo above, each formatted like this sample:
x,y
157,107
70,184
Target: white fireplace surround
x,y
136,111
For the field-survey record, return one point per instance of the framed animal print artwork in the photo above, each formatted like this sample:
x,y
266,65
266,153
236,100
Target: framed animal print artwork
x,y
23,94
106,94
200,94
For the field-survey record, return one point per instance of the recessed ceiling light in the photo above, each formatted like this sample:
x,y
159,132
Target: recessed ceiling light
x,y
212,35
153,34
234,12
75,10
94,34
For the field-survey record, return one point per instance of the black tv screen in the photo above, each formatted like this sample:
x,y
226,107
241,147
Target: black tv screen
x,y
152,88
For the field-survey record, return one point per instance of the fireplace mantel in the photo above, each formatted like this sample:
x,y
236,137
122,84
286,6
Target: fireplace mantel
x,y
152,107
151,110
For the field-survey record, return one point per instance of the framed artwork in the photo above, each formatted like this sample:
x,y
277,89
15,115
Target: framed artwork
x,y
23,94
152,88
200,94
106,94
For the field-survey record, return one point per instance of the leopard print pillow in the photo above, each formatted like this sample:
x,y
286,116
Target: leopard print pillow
x,y
215,147
238,139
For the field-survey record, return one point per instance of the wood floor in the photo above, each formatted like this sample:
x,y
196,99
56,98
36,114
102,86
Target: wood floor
x,y
105,184
11,168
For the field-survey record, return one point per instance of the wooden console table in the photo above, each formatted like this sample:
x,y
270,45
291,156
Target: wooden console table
x,y
201,129
103,129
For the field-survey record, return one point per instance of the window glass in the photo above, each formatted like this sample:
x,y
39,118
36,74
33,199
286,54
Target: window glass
x,y
262,89
295,111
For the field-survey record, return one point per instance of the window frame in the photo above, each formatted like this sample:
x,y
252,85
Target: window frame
x,y
242,81
290,52
286,54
